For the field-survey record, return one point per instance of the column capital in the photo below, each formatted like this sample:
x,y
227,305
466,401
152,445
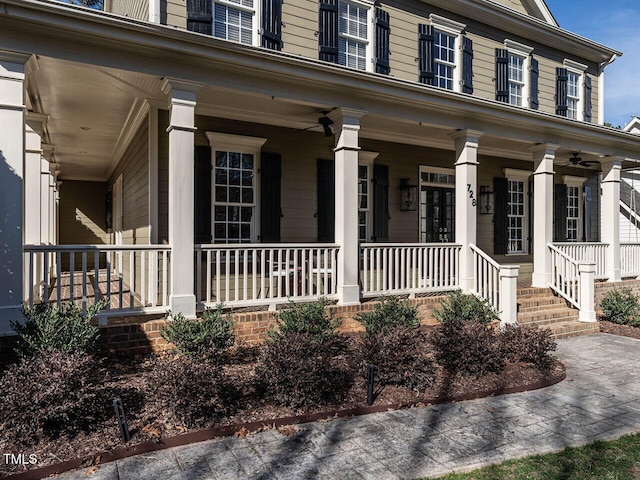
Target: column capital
x,y
170,86
612,161
36,121
466,134
340,114
542,149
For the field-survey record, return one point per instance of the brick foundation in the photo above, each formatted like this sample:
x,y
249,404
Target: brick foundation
x,y
601,288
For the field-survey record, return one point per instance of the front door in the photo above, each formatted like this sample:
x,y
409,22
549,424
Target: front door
x,y
437,209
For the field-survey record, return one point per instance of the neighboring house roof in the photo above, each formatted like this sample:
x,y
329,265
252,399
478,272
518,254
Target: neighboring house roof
x,y
633,126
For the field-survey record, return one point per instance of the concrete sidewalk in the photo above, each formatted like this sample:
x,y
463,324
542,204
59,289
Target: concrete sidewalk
x,y
597,401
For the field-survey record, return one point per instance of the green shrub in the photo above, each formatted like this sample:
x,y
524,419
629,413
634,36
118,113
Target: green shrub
x,y
401,356
389,314
189,389
528,344
466,308
468,348
308,318
50,394
301,369
212,332
66,329
621,306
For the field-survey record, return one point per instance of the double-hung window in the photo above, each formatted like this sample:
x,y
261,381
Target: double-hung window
x,y
517,185
353,35
364,199
575,185
516,79
573,95
444,59
516,75
235,20
573,91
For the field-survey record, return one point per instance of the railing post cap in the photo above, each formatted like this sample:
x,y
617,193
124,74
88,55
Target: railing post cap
x,y
587,267
509,270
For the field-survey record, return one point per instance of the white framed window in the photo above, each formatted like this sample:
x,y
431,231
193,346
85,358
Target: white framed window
x,y
117,209
518,72
235,163
517,188
365,194
575,90
354,45
447,57
236,20
574,207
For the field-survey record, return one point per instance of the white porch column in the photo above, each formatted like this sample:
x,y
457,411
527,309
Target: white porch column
x,y
610,206
33,208
12,111
466,142
46,198
181,187
346,127
543,156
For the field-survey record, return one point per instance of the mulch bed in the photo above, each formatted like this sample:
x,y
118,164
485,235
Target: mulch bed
x,y
622,330
148,423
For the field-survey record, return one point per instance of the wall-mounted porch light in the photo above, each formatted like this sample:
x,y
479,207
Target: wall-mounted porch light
x,y
487,202
408,195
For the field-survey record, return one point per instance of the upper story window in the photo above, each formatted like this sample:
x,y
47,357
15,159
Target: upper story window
x,y
516,79
445,55
516,75
235,20
573,95
573,91
353,35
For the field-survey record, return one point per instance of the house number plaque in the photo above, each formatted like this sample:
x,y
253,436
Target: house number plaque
x,y
474,202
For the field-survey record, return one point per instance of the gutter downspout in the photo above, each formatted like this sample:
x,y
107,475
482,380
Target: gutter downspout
x,y
601,68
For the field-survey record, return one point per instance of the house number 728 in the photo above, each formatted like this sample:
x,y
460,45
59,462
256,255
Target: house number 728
x,y
474,202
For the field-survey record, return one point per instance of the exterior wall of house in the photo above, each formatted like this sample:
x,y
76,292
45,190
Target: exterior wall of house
x,y
82,213
174,13
129,8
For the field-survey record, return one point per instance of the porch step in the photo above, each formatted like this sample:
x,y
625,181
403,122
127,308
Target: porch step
x,y
533,292
540,303
573,329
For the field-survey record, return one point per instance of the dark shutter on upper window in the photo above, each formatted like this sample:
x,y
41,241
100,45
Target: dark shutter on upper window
x,y
533,91
587,98
425,54
202,194
199,16
500,217
380,203
382,41
560,213
467,65
562,77
502,75
272,24
328,30
270,208
326,201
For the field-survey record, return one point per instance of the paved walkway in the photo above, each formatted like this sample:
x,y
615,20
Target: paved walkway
x,y
598,400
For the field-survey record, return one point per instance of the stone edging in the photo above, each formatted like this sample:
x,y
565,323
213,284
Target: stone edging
x,y
228,430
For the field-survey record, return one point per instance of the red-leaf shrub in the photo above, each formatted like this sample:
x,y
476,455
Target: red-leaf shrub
x,y
528,344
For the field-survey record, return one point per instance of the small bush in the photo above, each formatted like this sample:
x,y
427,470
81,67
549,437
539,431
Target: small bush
x,y
66,329
468,348
389,314
401,357
303,370
212,332
50,394
187,388
621,306
528,344
467,308
309,318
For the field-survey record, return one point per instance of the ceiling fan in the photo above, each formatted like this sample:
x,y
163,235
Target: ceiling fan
x,y
577,161
324,122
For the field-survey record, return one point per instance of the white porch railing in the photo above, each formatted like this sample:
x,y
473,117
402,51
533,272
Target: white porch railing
x,y
587,252
573,280
131,277
259,274
389,268
630,259
496,283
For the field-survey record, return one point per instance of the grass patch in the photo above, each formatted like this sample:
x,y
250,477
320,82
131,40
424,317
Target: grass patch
x,y
617,459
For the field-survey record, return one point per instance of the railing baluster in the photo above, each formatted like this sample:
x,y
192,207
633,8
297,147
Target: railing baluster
x,y
84,281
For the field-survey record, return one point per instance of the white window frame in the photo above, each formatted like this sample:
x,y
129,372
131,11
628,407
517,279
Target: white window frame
x,y
368,61
453,28
516,49
117,210
521,176
224,142
576,182
255,19
579,70
422,230
365,159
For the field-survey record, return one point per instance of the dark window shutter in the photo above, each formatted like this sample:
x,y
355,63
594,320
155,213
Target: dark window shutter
x,y
382,41
561,91
531,206
202,194
502,75
199,16
272,24
592,209
326,201
533,90
587,98
560,213
500,217
380,203
425,54
467,65
270,207
328,30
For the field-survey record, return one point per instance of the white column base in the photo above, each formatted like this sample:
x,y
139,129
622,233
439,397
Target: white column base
x,y
348,294
540,280
185,304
